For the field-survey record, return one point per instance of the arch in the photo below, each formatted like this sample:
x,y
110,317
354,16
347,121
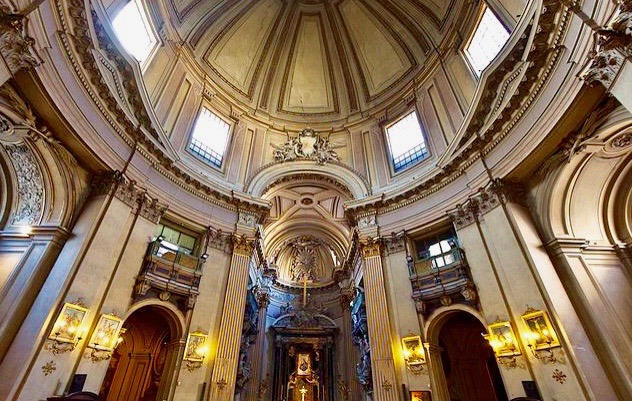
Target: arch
x,y
436,320
173,316
272,173
151,349
579,199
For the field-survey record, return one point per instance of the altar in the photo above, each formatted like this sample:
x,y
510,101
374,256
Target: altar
x,y
303,361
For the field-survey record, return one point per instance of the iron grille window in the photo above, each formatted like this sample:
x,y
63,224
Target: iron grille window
x,y
406,142
209,137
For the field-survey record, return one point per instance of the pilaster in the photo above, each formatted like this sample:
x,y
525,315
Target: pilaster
x,y
263,300
438,384
225,367
385,387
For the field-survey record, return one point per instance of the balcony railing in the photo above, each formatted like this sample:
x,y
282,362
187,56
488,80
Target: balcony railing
x,y
170,270
441,279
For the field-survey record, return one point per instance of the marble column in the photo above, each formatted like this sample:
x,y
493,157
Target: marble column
x,y
228,341
385,387
263,300
438,384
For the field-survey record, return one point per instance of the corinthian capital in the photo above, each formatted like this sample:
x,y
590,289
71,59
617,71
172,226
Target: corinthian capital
x,y
370,247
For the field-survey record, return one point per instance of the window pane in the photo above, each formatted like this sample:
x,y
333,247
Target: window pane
x,y
488,39
133,32
210,137
406,142
445,246
186,242
435,249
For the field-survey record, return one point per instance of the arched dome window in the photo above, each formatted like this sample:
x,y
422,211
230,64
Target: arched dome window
x,y
406,142
133,30
486,41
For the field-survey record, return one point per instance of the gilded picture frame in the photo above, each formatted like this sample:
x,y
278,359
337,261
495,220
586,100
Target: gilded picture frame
x,y
542,334
195,342
502,339
420,396
68,327
106,333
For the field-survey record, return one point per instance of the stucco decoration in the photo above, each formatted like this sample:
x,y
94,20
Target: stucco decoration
x,y
30,194
15,44
308,145
306,258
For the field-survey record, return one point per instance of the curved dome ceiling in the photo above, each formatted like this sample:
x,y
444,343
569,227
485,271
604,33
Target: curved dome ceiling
x,y
317,61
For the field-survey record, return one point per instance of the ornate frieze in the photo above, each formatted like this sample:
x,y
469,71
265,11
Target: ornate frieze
x,y
128,192
246,219
308,145
30,192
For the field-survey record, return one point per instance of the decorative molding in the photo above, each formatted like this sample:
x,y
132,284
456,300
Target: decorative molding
x,y
29,205
480,137
308,145
49,367
242,245
247,220
15,44
395,243
613,44
151,209
371,247
218,239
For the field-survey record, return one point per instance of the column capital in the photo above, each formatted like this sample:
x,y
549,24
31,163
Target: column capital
x,y
346,296
433,349
242,245
394,243
370,246
262,296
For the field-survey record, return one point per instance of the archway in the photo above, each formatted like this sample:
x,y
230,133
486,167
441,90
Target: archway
x,y
468,362
141,367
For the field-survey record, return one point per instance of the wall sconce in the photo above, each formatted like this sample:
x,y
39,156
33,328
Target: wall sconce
x,y
540,336
106,337
502,340
413,353
195,351
68,329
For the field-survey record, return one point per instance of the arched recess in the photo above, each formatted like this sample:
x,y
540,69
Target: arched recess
x,y
145,365
583,208
263,179
45,189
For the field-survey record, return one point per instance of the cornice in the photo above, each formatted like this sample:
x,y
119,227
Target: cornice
x,y
77,43
480,137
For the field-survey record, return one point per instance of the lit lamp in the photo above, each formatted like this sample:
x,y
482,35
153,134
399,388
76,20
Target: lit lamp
x,y
106,337
502,340
413,353
540,335
196,350
68,329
